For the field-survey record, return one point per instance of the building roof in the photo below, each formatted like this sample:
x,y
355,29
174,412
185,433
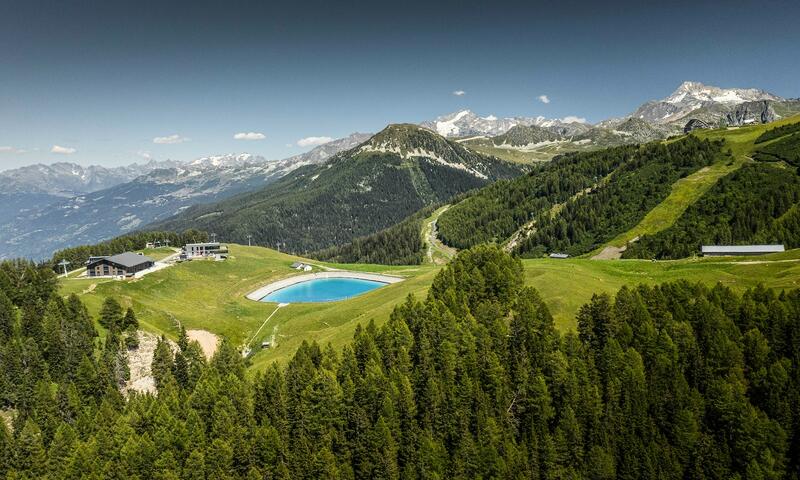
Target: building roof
x,y
206,244
741,248
129,259
559,255
297,264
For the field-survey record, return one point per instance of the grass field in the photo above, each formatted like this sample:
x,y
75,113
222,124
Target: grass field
x,y
158,253
543,153
436,252
565,285
210,295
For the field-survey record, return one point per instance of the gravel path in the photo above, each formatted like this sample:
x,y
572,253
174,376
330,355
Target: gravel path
x,y
207,340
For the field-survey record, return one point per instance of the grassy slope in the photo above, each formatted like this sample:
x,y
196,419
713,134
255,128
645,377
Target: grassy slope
x,y
435,251
688,190
158,253
565,285
210,295
543,153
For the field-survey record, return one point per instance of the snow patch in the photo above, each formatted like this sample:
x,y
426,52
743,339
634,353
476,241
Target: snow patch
x,y
448,127
419,152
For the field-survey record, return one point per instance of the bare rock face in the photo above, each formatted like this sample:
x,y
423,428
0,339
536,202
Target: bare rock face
x,y
140,362
694,96
748,113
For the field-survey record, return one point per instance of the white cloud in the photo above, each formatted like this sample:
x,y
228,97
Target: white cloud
x,y
144,154
169,139
573,119
249,136
62,150
544,99
7,149
491,118
459,93
313,141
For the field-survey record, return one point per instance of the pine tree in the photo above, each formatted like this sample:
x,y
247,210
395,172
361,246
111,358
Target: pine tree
x,y
6,449
129,321
163,363
7,317
31,457
111,315
60,451
53,347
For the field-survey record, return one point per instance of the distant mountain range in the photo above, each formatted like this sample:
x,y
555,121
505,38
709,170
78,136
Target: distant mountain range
x,y
48,207
70,205
355,193
67,179
732,106
465,123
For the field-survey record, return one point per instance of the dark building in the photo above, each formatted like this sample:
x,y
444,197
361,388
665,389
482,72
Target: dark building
x,y
695,124
125,265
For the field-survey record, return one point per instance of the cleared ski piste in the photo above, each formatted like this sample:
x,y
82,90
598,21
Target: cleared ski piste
x,y
259,294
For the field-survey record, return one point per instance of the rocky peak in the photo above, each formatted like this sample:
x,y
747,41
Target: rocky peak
x,y
226,160
465,123
697,92
405,137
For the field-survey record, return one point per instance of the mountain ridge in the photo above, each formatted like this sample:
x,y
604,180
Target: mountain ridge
x,y
357,192
162,190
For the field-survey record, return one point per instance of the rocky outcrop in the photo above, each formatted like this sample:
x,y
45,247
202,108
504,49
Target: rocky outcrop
x,y
522,135
748,113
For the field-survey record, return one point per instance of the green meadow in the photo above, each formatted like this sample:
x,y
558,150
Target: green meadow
x,y
210,295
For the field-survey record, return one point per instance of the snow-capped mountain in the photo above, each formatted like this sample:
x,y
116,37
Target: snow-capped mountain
x,y
66,179
161,190
694,96
466,123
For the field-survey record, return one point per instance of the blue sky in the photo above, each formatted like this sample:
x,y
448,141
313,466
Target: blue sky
x,y
102,80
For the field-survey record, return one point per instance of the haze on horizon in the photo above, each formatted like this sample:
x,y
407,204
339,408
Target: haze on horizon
x,y
114,83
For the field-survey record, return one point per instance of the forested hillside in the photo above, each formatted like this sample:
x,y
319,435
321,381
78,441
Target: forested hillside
x,y
618,204
778,132
124,243
677,381
357,193
756,204
786,149
625,182
400,244
497,211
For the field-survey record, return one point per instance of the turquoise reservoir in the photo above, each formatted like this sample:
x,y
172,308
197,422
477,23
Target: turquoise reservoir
x,y
322,290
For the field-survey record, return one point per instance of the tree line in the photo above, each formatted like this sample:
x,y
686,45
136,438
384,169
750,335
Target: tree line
x,y
601,192
678,381
495,212
786,149
76,256
756,204
400,244
778,132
